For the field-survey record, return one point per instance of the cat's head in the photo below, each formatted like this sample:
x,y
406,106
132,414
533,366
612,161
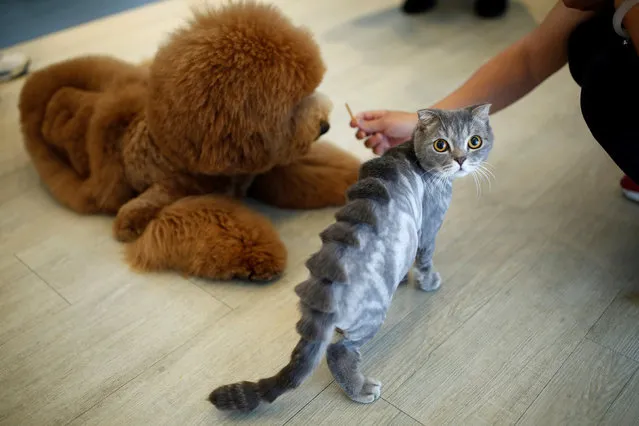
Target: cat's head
x,y
453,143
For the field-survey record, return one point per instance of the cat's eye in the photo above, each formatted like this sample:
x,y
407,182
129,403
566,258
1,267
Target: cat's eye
x,y
440,145
475,142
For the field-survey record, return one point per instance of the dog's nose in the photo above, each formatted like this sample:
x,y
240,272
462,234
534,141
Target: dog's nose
x,y
324,127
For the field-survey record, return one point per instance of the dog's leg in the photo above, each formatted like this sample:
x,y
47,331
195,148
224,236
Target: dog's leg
x,y
212,237
133,217
320,179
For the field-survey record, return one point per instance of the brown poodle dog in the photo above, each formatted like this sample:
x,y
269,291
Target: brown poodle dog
x,y
228,108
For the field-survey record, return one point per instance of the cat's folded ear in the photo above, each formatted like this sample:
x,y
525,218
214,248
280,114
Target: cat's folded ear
x,y
480,110
427,115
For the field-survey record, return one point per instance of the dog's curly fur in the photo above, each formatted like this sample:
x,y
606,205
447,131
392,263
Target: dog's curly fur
x,y
227,108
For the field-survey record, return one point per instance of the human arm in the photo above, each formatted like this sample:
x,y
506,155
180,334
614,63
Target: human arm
x,y
523,66
501,81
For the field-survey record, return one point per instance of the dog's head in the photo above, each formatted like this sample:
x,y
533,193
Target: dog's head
x,y
234,91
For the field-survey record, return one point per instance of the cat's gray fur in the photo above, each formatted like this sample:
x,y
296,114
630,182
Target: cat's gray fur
x,y
388,226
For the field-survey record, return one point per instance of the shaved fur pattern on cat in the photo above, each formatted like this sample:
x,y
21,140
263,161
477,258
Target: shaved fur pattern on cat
x,y
387,227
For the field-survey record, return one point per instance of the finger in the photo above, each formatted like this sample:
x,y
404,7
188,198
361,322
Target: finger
x,y
381,148
370,115
374,140
371,142
361,134
353,123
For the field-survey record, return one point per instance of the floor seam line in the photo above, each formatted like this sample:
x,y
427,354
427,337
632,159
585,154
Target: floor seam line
x,y
550,380
400,410
308,403
42,279
144,370
210,295
603,311
623,388
613,350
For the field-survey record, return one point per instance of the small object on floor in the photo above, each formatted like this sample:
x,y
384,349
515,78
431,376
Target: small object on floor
x,y
350,112
483,8
630,189
490,8
13,65
413,7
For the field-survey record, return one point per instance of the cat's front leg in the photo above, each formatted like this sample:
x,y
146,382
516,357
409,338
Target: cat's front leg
x,y
425,276
427,280
344,361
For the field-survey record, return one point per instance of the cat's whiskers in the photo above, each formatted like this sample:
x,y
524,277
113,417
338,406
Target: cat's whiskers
x,y
488,165
483,177
478,179
487,168
487,173
436,181
474,175
429,182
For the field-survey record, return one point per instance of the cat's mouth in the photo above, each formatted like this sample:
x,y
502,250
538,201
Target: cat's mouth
x,y
464,169
456,170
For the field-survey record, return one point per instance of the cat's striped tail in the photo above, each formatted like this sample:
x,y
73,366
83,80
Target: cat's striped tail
x,y
319,313
246,396
316,329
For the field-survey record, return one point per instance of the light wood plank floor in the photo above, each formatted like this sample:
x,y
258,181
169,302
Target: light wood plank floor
x,y
534,323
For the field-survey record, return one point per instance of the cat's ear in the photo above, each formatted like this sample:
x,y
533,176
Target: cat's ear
x,y
427,115
481,111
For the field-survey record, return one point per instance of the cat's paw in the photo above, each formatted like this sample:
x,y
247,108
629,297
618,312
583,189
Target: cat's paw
x,y
428,281
405,280
371,391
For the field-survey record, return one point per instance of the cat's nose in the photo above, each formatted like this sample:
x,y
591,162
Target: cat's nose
x,y
460,160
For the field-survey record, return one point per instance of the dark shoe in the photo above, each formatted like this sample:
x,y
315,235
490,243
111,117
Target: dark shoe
x,y
490,8
413,7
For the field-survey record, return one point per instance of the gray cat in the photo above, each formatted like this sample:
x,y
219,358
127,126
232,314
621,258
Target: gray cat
x,y
387,227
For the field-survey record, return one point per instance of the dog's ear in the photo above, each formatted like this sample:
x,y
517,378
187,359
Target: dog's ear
x,y
226,81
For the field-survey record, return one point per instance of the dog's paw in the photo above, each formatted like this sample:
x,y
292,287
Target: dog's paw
x,y
129,224
261,260
264,266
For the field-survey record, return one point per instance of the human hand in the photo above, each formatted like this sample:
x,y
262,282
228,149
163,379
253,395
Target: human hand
x,y
384,129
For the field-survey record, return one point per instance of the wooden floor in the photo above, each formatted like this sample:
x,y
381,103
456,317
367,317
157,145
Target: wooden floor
x,y
534,324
